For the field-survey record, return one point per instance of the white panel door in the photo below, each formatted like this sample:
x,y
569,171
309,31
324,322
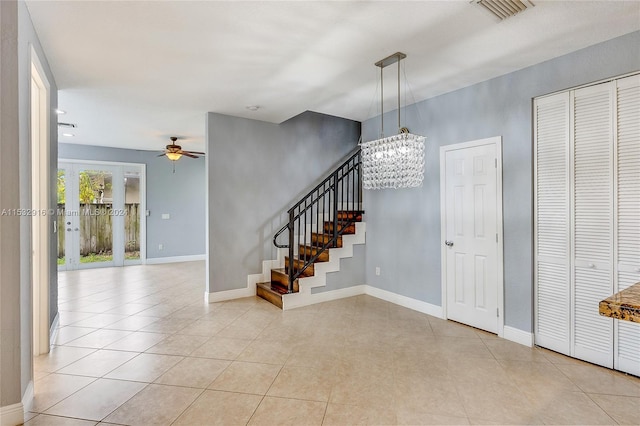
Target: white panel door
x,y
593,222
627,346
552,267
471,259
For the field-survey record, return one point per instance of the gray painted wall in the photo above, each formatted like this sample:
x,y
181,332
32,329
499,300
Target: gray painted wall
x,y
181,194
17,38
403,226
256,171
10,350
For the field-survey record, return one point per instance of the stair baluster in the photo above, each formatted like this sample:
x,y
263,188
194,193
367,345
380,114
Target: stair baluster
x,y
338,196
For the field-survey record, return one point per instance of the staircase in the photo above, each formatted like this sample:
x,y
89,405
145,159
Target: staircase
x,y
322,228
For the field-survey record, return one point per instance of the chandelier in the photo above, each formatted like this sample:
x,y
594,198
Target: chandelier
x,y
394,161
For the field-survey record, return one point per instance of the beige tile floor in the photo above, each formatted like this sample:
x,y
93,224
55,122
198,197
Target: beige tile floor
x,y
139,346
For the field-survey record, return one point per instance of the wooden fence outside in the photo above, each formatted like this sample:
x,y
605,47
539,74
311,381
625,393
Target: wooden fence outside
x,y
96,227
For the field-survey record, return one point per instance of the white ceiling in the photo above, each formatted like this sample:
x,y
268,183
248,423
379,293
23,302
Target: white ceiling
x,y
133,73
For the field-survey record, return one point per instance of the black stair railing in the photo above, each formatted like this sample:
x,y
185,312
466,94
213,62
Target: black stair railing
x,y
335,204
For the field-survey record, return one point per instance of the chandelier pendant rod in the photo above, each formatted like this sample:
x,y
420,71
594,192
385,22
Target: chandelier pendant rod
x,y
381,103
389,60
398,96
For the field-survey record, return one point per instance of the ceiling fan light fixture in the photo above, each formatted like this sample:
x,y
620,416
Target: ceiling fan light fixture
x,y
173,156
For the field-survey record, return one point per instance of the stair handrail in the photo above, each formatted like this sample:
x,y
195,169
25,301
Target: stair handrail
x,y
332,187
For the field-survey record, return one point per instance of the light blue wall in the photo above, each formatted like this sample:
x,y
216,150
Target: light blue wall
x,y
403,226
256,172
181,194
352,272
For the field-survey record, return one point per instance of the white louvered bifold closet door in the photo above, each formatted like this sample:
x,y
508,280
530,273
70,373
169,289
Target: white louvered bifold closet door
x,y
552,224
627,348
593,222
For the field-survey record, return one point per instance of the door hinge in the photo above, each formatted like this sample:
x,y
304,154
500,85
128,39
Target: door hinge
x,y
496,237
495,162
498,312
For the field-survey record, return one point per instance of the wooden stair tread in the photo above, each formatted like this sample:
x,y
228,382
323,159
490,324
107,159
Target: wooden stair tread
x,y
318,239
351,214
265,291
297,265
346,226
274,290
311,251
280,279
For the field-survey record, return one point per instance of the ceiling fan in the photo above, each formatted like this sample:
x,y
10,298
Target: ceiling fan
x,y
174,152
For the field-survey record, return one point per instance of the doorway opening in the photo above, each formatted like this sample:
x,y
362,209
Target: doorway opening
x,y
41,217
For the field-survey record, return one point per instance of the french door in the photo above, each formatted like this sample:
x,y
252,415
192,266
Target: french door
x,y
100,218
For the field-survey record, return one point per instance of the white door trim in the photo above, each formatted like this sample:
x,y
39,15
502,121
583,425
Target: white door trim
x,y
40,111
497,141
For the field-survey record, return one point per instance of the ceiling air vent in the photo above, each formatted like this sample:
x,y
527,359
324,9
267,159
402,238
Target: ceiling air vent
x,y
66,125
504,9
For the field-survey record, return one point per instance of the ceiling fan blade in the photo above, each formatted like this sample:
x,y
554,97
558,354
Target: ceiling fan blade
x,y
162,155
195,152
188,154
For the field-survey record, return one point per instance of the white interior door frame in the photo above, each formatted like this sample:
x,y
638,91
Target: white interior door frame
x,y
497,141
40,95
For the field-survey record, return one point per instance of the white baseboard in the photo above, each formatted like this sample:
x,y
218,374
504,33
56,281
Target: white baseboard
x,y
518,336
53,331
174,259
306,299
407,302
12,415
300,299
238,293
27,398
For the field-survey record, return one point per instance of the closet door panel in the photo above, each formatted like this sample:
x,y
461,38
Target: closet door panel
x,y
552,224
628,214
593,224
627,349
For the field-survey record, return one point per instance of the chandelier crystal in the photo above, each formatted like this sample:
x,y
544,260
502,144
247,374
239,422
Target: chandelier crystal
x,y
394,161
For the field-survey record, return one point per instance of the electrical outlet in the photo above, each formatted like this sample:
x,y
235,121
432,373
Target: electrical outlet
x,y
377,270
166,216
160,246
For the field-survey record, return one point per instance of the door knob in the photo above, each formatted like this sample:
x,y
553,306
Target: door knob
x,y
448,243
68,229
76,229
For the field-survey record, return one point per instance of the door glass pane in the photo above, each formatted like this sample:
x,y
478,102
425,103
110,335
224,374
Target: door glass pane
x,y
61,185
95,195
131,215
